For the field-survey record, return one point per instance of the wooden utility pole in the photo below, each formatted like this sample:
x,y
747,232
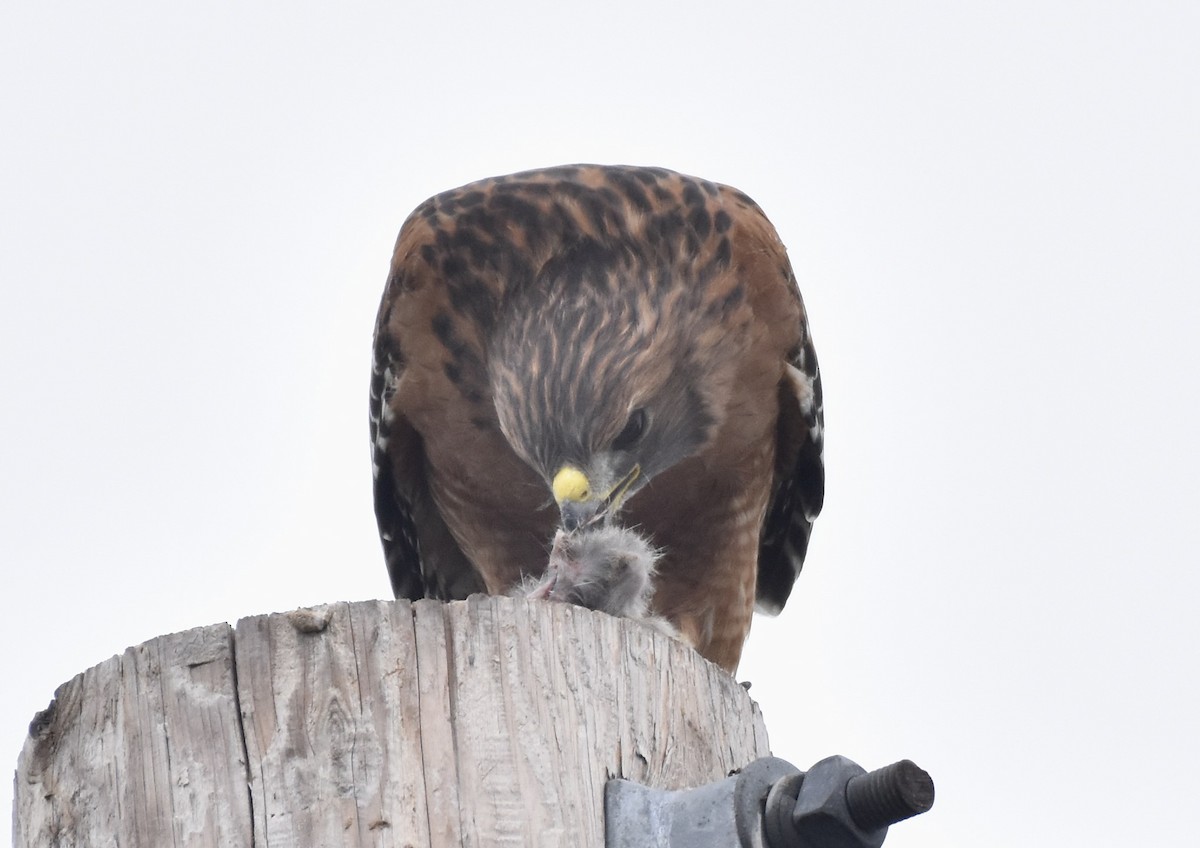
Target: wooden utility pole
x,y
492,721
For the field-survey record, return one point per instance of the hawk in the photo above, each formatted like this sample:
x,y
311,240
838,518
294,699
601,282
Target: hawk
x,y
561,344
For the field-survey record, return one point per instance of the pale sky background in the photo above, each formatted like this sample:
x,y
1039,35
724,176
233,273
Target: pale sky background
x,y
994,213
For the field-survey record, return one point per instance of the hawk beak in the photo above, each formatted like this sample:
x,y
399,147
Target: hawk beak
x,y
573,491
576,502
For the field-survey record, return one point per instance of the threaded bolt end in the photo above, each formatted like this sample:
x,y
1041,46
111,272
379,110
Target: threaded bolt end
x,y
889,795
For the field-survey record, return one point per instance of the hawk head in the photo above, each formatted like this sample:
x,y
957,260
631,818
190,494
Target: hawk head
x,y
607,371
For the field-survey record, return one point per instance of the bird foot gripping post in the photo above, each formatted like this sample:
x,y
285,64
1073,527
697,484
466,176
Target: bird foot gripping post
x,y
770,804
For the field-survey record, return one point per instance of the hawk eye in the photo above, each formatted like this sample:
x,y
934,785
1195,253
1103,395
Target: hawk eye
x,y
632,433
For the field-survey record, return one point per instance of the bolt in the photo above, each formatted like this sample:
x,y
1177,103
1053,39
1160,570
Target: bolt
x,y
837,804
889,794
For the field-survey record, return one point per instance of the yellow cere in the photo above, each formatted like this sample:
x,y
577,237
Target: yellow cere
x,y
570,484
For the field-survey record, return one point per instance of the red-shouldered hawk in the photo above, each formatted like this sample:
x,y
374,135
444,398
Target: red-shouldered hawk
x,y
579,341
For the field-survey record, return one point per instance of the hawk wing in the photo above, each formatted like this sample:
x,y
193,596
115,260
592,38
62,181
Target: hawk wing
x,y
798,490
423,559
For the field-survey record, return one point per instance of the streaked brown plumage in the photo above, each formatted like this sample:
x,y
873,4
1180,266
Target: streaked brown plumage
x,y
621,340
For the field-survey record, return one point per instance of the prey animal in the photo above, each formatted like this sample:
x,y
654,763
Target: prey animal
x,y
603,567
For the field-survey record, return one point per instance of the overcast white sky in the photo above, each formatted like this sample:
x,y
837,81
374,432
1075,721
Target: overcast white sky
x,y
993,209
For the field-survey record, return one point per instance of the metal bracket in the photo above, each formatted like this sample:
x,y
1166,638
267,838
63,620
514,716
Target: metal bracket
x,y
770,804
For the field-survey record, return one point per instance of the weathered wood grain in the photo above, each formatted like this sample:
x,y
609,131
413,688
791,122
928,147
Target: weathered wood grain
x,y
143,749
489,722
